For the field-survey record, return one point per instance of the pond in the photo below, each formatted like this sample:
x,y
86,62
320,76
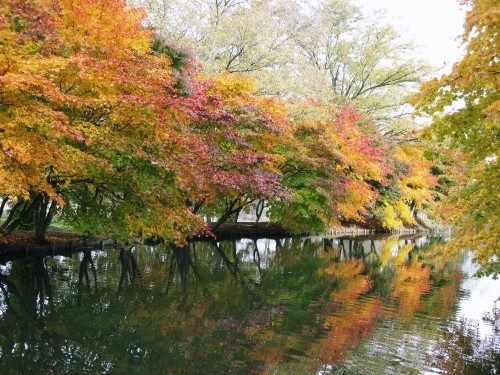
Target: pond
x,y
385,305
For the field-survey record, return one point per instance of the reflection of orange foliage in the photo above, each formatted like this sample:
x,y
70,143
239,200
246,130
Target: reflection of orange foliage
x,y
355,317
410,283
268,348
346,268
357,286
268,355
347,327
442,300
449,293
350,281
442,255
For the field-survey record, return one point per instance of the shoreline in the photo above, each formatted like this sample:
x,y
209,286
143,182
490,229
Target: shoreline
x,y
64,242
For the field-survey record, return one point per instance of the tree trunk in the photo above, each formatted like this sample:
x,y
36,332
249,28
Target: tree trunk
x,y
259,210
20,213
232,207
237,215
44,213
2,205
413,209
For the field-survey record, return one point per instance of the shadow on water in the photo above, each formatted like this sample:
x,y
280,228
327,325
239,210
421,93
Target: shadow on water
x,y
278,306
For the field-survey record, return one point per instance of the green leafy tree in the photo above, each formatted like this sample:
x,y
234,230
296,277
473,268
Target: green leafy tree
x,y
326,49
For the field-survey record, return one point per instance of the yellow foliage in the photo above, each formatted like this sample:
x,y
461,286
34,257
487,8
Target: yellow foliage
x,y
390,219
91,26
404,212
417,185
345,269
358,195
389,247
393,253
402,256
228,85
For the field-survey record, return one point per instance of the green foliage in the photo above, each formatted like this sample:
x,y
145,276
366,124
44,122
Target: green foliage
x,y
179,59
303,213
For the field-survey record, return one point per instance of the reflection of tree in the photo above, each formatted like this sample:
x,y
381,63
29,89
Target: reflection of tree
x,y
129,267
461,350
403,276
392,254
8,288
410,283
181,263
228,309
83,272
443,299
493,318
446,276
346,327
28,296
351,318
182,258
34,292
349,248
358,249
233,265
443,258
256,256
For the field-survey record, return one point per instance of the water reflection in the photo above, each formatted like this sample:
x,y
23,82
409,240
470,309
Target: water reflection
x,y
86,263
129,268
284,306
461,350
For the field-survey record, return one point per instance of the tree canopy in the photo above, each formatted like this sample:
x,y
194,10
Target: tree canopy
x,y
326,50
465,107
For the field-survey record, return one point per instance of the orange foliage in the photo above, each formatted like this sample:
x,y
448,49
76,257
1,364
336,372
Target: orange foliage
x,y
91,27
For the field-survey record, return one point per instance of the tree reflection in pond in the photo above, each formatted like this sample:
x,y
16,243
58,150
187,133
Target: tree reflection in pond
x,y
462,350
83,273
292,305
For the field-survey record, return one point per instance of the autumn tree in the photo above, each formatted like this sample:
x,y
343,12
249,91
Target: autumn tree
x,y
87,118
327,168
465,108
104,122
409,188
239,134
327,49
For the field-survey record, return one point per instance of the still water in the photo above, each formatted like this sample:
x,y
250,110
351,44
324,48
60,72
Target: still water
x,y
393,305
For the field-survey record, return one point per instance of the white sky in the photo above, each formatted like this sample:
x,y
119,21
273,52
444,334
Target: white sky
x,y
433,24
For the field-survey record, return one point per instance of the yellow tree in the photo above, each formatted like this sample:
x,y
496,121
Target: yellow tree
x,y
413,186
465,107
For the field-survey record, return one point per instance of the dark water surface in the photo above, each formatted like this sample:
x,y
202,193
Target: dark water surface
x,y
289,306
